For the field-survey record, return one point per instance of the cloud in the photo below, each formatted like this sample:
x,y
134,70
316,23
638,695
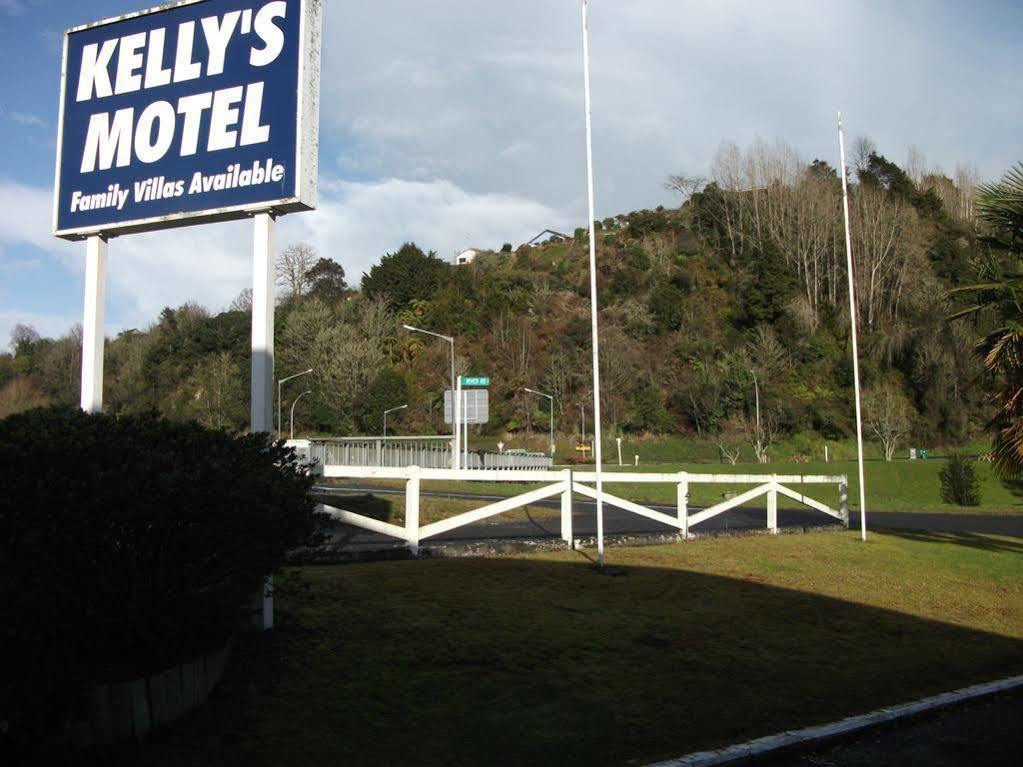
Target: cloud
x,y
489,95
23,118
357,223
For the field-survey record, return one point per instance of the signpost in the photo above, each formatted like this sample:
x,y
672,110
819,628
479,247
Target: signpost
x,y
192,112
478,381
475,407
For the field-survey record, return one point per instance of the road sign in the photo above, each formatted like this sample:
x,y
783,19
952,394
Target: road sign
x,y
188,113
475,406
475,381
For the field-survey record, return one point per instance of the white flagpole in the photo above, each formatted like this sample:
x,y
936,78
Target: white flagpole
x,y
597,446
855,342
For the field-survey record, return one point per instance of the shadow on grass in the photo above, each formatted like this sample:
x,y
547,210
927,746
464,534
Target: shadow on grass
x,y
512,662
970,540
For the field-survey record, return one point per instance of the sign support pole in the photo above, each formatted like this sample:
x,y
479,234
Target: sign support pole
x,y
456,421
93,338
261,405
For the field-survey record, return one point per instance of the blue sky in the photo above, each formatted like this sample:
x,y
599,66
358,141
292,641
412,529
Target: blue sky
x,y
458,123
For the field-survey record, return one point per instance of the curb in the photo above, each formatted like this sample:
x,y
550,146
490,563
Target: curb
x,y
498,547
808,735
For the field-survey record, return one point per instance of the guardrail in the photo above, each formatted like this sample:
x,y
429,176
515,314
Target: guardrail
x,y
403,452
566,483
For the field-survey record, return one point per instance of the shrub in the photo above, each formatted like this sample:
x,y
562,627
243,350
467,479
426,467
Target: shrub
x,y
128,545
959,483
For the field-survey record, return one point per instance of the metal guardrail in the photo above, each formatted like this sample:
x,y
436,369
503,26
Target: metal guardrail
x,y
429,453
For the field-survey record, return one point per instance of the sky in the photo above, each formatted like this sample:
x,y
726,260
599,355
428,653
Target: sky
x,y
459,123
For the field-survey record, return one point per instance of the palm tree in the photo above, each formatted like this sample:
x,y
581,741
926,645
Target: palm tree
x,y
1000,294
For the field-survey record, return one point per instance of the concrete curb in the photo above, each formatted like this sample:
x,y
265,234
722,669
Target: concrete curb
x,y
809,735
503,547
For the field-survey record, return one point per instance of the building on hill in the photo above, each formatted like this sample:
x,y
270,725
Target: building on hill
x,y
467,256
547,235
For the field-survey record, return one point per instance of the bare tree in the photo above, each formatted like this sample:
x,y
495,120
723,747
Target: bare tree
x,y
685,186
242,302
916,165
887,415
863,147
761,431
729,439
293,266
218,402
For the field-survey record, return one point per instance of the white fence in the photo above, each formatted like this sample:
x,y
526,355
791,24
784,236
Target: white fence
x,y
566,483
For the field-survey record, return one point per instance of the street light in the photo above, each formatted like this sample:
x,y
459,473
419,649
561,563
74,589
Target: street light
x,y
279,383
455,400
392,410
293,412
548,396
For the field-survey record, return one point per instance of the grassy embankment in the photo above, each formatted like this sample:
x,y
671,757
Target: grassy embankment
x,y
540,660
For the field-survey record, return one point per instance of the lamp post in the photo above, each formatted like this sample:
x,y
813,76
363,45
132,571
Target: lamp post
x,y
548,396
282,381
456,400
392,410
292,431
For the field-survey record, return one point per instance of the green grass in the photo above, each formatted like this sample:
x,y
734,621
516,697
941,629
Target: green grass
x,y
541,661
902,486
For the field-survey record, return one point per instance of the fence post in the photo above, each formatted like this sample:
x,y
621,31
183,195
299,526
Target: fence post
x,y
683,504
772,505
412,510
566,510
843,499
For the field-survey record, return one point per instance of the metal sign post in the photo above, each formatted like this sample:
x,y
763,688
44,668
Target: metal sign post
x,y
93,338
261,406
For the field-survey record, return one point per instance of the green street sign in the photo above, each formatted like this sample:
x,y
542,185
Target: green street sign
x,y
475,381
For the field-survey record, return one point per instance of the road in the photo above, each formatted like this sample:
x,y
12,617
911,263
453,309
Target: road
x,y
618,522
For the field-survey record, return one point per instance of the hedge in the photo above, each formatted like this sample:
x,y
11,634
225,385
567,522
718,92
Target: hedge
x,y
127,545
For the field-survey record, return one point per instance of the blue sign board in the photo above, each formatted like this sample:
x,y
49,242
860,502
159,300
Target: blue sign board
x,y
196,111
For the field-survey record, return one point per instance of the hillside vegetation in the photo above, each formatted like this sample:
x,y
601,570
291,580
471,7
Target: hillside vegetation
x,y
739,293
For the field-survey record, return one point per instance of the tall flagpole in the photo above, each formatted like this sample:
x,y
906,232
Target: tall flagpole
x,y
597,446
855,342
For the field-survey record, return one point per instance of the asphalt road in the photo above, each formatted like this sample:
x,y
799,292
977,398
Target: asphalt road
x,y
618,522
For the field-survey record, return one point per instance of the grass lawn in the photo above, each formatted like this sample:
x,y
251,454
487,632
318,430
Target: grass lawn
x,y
540,660
905,486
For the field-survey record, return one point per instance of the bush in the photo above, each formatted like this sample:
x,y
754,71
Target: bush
x,y
128,545
959,483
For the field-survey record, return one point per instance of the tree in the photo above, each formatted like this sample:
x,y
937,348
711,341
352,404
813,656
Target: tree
x,y
404,276
327,281
293,266
685,186
506,248
887,413
1000,293
218,401
729,439
388,390
242,302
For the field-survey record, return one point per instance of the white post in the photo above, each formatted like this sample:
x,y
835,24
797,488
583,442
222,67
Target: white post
x,y
683,504
261,390
456,419
619,441
566,510
594,312
261,410
93,337
826,454
855,341
412,510
772,508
